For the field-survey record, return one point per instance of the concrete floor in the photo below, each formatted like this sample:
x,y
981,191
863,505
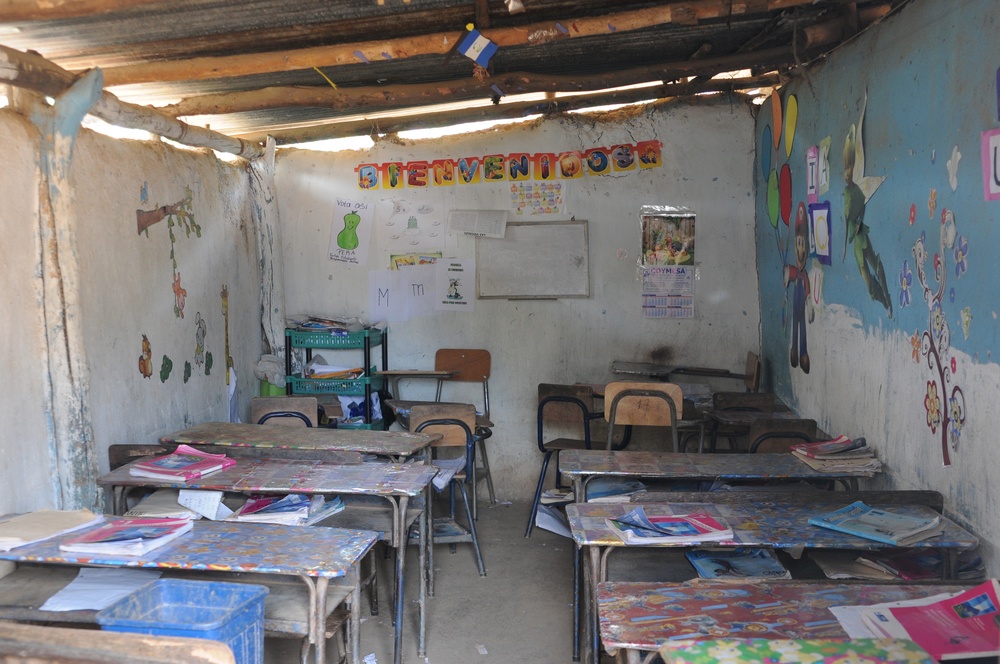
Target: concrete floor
x,y
521,611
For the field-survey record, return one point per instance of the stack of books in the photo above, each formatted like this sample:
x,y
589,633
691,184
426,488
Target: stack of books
x,y
295,509
127,536
333,325
184,464
635,527
920,564
960,626
875,524
841,453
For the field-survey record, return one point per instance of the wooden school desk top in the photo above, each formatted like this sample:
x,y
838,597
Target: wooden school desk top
x,y
777,524
644,616
229,547
387,443
270,475
670,465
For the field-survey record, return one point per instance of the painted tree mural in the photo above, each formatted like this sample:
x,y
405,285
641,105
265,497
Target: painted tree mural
x,y
944,401
179,214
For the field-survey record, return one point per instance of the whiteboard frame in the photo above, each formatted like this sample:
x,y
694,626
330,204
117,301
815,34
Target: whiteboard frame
x,y
499,277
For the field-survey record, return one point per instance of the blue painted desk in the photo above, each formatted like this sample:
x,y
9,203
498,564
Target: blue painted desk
x,y
396,483
775,524
643,617
314,555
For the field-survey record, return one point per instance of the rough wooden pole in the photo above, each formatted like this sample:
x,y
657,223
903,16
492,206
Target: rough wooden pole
x,y
12,11
34,72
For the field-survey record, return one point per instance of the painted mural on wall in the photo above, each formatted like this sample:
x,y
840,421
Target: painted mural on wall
x,y
179,214
799,236
858,190
944,400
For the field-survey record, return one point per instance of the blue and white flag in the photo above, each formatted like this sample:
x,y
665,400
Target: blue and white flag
x,y
477,48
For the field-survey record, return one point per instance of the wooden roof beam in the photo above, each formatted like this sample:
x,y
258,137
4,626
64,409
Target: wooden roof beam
x,y
504,111
437,43
14,11
404,96
27,70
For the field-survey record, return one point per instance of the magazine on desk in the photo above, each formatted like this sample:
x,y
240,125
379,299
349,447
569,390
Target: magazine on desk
x,y
875,524
635,527
958,627
839,448
741,562
184,463
127,536
841,463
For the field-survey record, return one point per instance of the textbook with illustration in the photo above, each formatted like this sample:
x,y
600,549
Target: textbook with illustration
x,y
838,448
127,536
635,527
185,463
875,524
741,562
958,627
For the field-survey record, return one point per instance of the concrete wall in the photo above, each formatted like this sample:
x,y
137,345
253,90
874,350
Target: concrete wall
x,y
125,291
707,161
918,380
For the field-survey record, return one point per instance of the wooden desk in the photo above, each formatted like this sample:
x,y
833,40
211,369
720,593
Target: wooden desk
x,y
54,645
774,524
396,483
401,407
395,375
663,371
314,555
642,617
394,444
580,466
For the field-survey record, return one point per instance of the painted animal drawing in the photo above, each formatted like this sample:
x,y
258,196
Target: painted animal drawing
x,y
858,189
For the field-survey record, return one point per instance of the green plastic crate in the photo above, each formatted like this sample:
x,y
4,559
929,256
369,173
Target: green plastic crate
x,y
324,339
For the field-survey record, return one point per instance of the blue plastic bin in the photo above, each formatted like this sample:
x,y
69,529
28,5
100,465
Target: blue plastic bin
x,y
232,613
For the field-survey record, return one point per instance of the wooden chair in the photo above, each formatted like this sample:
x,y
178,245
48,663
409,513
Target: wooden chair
x,y
296,411
455,423
761,402
779,435
636,403
470,365
568,406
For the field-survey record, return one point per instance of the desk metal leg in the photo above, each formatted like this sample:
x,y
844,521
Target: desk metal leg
x,y
591,578
576,603
400,544
422,565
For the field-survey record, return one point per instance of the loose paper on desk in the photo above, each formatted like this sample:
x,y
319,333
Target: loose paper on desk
x,y
482,223
204,502
96,588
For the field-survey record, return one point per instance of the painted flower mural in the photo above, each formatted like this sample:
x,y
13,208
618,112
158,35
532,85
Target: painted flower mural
x,y
905,281
961,256
935,341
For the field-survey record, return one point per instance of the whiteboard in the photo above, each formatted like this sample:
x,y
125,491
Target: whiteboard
x,y
535,260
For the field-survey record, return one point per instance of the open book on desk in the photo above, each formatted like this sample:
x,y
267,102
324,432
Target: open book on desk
x,y
959,627
635,527
875,524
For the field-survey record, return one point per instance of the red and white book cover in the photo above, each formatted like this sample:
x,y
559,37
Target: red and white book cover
x,y
185,463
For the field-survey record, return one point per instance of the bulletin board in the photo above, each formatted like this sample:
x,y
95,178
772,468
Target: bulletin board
x,y
534,260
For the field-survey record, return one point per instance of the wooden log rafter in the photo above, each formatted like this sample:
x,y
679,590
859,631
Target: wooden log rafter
x,y
395,97
34,72
392,125
203,68
12,11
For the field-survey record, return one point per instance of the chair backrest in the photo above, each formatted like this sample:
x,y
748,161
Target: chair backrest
x,y
778,435
452,435
565,404
751,375
466,365
295,411
636,403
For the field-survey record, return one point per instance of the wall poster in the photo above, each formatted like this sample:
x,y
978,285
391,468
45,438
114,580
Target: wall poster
x,y
667,235
668,292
